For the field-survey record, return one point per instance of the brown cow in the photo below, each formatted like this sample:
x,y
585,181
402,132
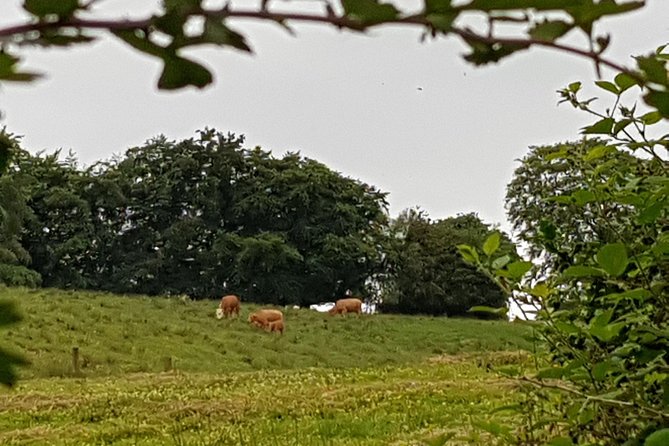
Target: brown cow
x,y
262,318
349,305
276,326
229,305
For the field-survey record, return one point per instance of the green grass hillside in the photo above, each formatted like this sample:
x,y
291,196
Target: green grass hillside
x,y
368,380
117,334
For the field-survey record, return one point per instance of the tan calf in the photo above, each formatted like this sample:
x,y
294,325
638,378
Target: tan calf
x,y
262,318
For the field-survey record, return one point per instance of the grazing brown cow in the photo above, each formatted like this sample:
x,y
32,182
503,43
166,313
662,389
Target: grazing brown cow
x,y
349,305
229,305
276,326
262,318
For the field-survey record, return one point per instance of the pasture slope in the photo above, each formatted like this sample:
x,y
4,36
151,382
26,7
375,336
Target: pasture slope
x,y
360,380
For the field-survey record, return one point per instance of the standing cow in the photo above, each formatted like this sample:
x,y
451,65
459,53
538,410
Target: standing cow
x,y
228,306
348,305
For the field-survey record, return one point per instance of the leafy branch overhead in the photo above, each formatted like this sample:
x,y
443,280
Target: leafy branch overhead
x,y
182,24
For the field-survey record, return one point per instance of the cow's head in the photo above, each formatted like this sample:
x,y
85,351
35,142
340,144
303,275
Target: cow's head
x,y
219,313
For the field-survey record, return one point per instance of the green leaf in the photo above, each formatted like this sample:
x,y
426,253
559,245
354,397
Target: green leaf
x,y
651,212
598,152
654,70
574,87
583,196
440,14
551,373
613,259
658,438
369,12
180,72
515,270
8,71
651,118
625,81
61,8
638,294
500,262
583,271
602,329
620,125
600,369
603,126
587,12
139,40
550,30
608,86
491,244
567,328
215,31
602,319
484,53
469,254
442,22
658,100
540,290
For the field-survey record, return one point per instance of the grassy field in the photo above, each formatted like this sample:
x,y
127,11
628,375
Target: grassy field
x,y
370,380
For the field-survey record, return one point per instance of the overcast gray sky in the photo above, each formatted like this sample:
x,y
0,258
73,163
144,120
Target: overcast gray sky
x,y
349,100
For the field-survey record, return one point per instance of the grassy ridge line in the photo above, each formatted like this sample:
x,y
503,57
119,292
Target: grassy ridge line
x,y
379,406
122,334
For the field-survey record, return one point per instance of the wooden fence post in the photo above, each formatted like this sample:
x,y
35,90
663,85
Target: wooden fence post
x,y
75,360
167,363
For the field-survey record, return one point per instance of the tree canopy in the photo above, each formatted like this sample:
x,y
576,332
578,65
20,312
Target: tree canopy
x,y
427,275
202,216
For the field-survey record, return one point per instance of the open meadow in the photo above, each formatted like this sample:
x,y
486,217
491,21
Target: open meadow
x,y
156,371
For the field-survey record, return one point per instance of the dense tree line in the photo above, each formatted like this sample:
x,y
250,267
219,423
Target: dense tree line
x,y
206,216
427,273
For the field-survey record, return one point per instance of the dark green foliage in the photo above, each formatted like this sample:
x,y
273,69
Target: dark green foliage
x,y
202,217
428,274
12,210
58,234
19,275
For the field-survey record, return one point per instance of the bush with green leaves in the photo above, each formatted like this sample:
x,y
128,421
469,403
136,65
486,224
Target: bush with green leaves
x,y
604,298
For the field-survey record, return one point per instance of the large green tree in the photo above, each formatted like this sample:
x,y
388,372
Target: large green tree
x,y
202,216
58,233
549,193
428,275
